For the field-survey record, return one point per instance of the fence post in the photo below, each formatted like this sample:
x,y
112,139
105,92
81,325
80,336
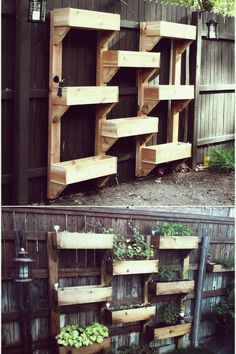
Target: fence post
x,y
195,77
21,105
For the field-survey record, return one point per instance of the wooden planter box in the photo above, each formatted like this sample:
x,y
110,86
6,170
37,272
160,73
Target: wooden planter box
x,y
82,294
83,169
170,30
76,240
154,333
168,92
175,242
91,349
123,58
122,127
175,287
162,153
132,267
78,18
85,95
217,268
129,315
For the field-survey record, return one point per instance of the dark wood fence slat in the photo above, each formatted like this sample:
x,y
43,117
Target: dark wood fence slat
x,y
77,137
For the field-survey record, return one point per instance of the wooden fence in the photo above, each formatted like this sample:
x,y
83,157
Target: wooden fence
x,y
25,62
81,267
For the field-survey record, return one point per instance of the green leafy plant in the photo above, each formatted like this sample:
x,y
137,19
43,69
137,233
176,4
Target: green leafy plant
x,y
77,336
170,313
222,158
166,273
136,349
223,314
129,306
170,229
124,248
218,6
225,262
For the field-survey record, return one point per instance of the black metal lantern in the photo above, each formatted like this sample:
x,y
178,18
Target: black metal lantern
x,y
212,31
37,11
23,266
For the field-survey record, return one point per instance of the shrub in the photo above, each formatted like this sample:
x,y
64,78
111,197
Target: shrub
x,y
129,306
222,158
170,313
227,263
170,229
76,336
223,314
124,248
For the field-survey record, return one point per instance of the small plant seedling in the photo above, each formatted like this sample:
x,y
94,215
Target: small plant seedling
x,y
171,229
138,248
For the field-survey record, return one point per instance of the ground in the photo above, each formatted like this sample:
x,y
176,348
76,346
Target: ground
x,y
193,188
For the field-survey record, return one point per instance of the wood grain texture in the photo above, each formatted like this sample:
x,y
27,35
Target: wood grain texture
x,y
134,267
82,294
176,287
91,349
75,240
129,315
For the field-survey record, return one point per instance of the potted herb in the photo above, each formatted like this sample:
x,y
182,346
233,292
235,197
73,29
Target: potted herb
x,y
174,236
129,313
169,281
221,265
172,324
132,256
83,340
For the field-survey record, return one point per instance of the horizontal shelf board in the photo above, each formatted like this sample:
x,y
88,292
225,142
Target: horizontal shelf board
x,y
218,268
83,169
132,59
85,95
122,127
91,349
170,30
167,332
129,315
82,294
162,153
175,287
94,20
175,242
133,267
76,240
168,92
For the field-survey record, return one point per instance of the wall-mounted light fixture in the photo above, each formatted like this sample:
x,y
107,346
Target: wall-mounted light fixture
x,y
37,10
212,30
23,267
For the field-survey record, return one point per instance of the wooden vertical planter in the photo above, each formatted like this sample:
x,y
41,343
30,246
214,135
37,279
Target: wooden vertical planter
x,y
174,287
82,294
154,333
129,315
217,268
175,242
133,267
76,240
91,349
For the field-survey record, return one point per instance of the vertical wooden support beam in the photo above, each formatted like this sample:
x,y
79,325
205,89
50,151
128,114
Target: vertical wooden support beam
x,y
21,105
54,128
185,269
53,279
140,83
103,39
195,77
173,128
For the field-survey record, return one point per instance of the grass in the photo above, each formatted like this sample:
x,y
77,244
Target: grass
x,y
222,158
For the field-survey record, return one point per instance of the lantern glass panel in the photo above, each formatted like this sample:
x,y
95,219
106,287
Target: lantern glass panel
x,y
23,270
37,10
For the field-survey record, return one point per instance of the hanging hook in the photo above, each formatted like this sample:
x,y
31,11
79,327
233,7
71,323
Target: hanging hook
x,y
61,82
